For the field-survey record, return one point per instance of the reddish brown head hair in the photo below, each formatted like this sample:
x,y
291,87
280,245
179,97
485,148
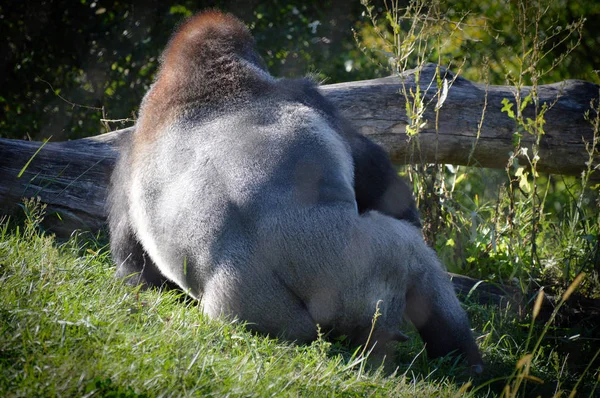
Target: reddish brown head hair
x,y
209,33
210,62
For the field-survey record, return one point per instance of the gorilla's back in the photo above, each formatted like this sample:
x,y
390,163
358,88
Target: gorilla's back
x,y
217,186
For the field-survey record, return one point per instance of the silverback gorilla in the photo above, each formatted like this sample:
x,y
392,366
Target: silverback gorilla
x,y
254,196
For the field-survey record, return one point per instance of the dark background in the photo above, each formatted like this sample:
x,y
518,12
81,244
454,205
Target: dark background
x,y
66,64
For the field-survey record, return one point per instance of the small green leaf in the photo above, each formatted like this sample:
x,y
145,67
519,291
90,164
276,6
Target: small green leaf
x,y
526,101
508,108
523,182
31,158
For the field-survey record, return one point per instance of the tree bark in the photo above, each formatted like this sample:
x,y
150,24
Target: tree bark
x,y
72,177
377,108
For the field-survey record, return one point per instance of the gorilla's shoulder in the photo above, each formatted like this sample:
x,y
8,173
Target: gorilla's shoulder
x,y
306,92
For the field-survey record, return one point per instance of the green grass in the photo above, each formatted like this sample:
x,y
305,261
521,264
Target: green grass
x,y
68,328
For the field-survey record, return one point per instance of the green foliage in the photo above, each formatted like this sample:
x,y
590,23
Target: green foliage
x,y
487,33
526,227
69,65
75,69
296,37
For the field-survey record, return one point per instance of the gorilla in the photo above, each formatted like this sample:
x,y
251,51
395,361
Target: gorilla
x,y
258,199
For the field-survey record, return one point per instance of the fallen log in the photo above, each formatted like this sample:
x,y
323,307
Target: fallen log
x,y
72,176
377,108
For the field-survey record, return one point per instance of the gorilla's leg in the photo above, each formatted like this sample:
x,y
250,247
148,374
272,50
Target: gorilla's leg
x,y
261,299
442,327
133,263
431,303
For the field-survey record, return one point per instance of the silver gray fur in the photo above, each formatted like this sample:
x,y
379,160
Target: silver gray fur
x,y
244,197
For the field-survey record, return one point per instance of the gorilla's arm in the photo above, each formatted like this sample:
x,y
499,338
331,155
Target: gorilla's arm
x,y
377,185
442,324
